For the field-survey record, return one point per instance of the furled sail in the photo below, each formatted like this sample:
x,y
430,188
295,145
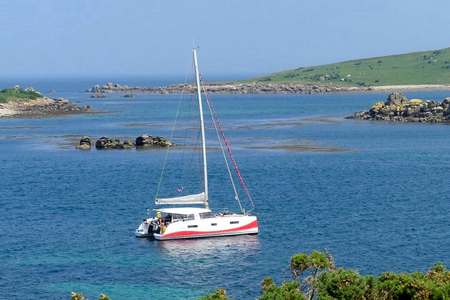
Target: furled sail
x,y
188,199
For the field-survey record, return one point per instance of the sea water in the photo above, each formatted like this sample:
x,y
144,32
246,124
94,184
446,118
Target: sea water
x,y
373,194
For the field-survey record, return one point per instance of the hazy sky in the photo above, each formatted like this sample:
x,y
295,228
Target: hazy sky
x,y
155,37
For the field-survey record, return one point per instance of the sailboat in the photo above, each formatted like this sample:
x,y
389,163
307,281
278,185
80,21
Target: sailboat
x,y
181,219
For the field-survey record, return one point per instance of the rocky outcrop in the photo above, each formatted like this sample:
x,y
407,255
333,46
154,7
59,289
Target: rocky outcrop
x,y
105,143
228,88
396,98
41,107
54,106
84,144
150,141
399,109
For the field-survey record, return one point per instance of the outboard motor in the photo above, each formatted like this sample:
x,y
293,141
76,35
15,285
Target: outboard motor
x,y
146,229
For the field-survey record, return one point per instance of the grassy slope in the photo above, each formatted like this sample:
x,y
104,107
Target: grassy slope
x,y
428,67
8,95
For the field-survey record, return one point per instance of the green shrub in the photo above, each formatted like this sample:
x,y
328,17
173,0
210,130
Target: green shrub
x,y
219,294
289,290
15,94
342,284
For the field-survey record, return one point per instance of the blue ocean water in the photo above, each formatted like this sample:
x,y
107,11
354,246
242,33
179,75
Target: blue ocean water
x,y
376,197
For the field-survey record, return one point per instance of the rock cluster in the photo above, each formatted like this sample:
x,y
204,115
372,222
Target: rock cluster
x,y
142,141
398,108
227,88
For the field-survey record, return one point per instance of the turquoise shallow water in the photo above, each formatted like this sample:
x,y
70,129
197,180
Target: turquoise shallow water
x,y
67,217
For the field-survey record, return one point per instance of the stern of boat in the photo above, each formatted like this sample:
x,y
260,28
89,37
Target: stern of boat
x,y
145,229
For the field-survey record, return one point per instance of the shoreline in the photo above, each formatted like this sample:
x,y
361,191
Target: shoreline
x,y
41,107
410,87
99,91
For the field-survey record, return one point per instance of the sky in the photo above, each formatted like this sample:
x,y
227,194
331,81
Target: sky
x,y
51,38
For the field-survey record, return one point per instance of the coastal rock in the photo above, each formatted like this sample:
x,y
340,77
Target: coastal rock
x,y
228,88
95,89
396,98
398,109
150,141
142,141
84,144
31,103
104,143
127,144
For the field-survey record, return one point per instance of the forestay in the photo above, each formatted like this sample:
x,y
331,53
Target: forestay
x,y
188,199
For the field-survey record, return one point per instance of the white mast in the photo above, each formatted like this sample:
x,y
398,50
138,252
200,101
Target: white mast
x,y
202,126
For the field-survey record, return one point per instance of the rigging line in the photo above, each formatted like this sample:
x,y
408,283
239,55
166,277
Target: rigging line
x,y
185,136
236,195
230,154
171,139
188,162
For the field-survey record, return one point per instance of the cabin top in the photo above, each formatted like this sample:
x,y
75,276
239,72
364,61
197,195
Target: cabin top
x,y
183,210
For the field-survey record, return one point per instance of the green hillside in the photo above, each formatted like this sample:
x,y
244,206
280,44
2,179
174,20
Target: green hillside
x,y
428,67
18,94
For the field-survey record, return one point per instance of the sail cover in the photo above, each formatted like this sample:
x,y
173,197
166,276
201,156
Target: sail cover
x,y
188,199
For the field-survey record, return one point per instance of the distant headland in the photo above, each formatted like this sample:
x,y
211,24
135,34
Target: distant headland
x,y
18,102
412,71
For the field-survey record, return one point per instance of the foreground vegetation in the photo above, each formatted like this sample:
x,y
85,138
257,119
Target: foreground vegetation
x,y
18,94
315,276
427,67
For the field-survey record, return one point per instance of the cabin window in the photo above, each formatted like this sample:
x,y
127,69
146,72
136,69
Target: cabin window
x,y
192,226
213,224
181,217
177,217
206,215
189,217
234,222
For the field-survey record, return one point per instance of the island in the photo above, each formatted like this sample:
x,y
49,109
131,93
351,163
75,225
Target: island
x,y
398,108
18,102
411,71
